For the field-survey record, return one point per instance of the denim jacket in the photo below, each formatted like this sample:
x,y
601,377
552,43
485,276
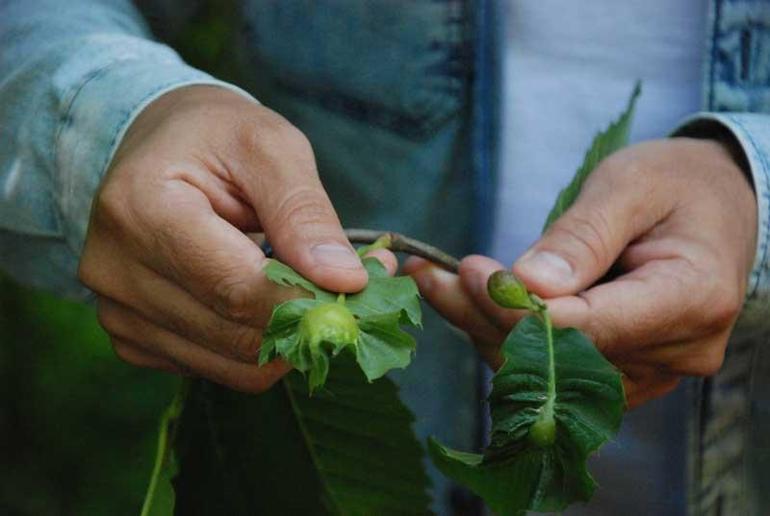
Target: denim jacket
x,y
400,102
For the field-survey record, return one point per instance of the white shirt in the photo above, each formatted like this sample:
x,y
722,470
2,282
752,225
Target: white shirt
x,y
569,67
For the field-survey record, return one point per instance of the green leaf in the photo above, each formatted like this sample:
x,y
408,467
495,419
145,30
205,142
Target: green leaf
x,y
517,472
281,333
605,143
308,333
555,400
159,500
385,294
383,345
282,274
348,450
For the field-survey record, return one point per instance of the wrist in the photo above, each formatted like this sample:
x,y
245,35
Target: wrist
x,y
174,105
748,132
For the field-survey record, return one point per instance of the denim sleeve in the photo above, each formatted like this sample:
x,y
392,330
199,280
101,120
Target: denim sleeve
x,y
752,133
73,76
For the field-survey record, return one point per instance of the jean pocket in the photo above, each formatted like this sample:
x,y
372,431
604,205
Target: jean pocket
x,y
404,66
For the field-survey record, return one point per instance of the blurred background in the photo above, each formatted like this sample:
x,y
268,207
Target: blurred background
x,y
77,426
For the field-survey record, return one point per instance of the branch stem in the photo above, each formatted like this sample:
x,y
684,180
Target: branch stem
x,y
402,244
375,239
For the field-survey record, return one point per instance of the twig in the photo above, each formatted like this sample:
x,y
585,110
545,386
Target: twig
x,y
403,244
398,243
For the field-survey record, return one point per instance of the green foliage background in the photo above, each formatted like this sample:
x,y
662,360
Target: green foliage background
x,y
77,426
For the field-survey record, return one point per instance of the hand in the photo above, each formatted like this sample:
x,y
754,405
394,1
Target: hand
x,y
677,219
180,285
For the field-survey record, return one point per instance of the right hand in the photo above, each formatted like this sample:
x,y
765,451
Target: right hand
x,y
180,285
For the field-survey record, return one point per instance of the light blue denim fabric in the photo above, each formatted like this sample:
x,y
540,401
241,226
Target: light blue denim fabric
x,y
73,76
399,102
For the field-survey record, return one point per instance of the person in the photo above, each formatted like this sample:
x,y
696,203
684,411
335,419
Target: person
x,y
139,174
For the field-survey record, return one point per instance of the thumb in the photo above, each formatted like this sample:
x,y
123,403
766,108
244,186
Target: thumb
x,y
299,220
581,246
305,232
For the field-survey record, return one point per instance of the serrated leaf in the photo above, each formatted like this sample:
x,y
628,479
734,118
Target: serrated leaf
x,y
282,274
536,457
281,333
605,143
379,310
348,450
385,294
383,345
515,474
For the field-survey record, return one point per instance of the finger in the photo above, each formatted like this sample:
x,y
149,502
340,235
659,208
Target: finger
x,y
699,357
173,308
658,302
474,273
649,388
225,198
204,254
280,180
123,323
444,292
386,258
168,306
578,249
413,264
135,355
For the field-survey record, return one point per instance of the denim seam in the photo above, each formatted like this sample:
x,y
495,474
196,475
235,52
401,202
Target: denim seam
x,y
62,125
714,62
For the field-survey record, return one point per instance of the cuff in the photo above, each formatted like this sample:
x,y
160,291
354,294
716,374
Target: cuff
x,y
97,114
749,135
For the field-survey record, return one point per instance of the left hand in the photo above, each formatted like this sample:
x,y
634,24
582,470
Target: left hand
x,y
678,218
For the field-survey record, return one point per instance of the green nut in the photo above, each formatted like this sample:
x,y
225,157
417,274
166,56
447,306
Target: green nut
x,y
543,431
506,290
329,322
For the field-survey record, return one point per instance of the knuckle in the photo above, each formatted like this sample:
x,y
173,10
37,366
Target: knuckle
x,y
726,305
669,387
303,206
246,343
123,351
110,207
590,233
233,299
87,272
108,319
271,136
254,383
707,364
720,300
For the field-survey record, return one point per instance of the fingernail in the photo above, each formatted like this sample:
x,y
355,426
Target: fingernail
x,y
336,255
544,266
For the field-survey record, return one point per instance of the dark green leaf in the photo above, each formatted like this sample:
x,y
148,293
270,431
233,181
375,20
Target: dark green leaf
x,y
516,474
159,500
605,143
348,450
